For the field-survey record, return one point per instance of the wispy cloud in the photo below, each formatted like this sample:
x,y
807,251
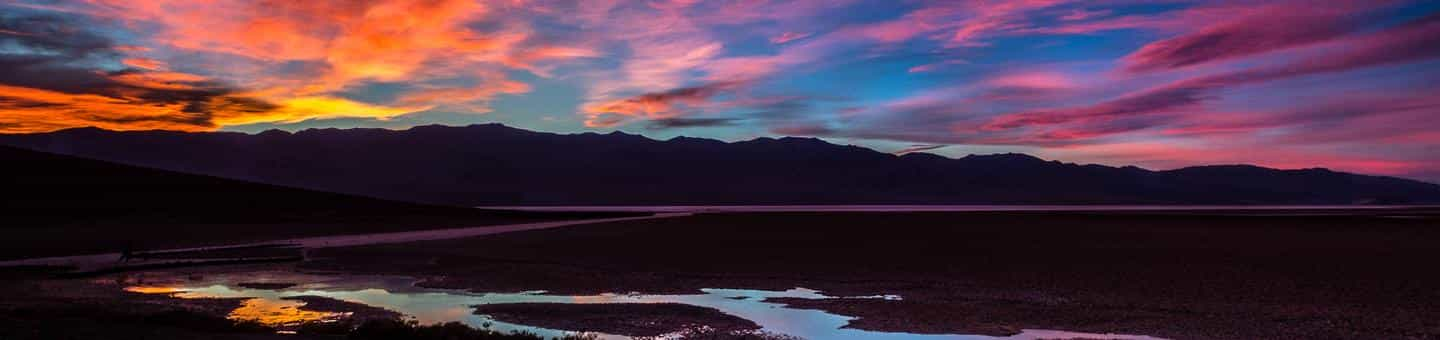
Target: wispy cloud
x,y
1250,30
788,37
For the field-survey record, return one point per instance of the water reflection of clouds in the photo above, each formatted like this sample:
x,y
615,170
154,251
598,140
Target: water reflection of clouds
x,y
276,312
153,289
438,305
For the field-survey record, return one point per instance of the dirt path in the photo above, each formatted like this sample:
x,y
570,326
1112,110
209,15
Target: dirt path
x,y
100,261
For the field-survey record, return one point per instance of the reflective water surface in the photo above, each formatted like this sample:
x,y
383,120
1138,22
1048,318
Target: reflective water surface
x,y
440,305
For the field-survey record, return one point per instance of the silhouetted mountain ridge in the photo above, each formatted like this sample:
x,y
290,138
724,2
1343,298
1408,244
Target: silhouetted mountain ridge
x,y
493,164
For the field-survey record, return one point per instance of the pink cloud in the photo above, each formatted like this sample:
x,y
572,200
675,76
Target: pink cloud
x,y
1173,124
936,65
1150,102
1410,42
971,23
665,40
1033,79
1084,14
667,43
672,44
788,37
890,31
957,23
1248,31
1161,22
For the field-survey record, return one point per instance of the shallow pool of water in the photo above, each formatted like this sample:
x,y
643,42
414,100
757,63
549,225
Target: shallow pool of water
x,y
440,305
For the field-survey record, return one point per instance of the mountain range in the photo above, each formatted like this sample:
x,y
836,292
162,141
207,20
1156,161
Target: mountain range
x,y
493,164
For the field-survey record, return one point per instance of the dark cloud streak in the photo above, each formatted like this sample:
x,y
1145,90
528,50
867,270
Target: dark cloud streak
x,y
673,123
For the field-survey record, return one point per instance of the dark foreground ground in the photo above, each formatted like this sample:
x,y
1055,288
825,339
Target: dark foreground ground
x,y
1184,275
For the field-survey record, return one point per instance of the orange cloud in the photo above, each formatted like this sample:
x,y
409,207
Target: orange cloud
x,y
144,63
428,44
160,80
387,40
306,108
169,106
25,110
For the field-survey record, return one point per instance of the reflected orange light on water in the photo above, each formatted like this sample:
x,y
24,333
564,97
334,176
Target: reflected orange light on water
x,y
279,313
153,290
267,311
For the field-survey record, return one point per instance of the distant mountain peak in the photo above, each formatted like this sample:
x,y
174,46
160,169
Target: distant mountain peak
x,y
922,155
686,139
789,140
273,132
1008,156
86,129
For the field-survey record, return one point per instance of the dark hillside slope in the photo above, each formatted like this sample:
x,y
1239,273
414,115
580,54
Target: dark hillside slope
x,y
55,205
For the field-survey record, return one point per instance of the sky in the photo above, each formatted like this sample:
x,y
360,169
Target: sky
x,y
1345,85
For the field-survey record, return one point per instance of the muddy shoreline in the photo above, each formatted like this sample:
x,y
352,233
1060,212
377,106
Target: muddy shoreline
x,y
631,319
1185,275
40,307
358,313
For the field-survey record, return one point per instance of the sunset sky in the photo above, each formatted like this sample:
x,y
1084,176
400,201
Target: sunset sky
x,y
1348,85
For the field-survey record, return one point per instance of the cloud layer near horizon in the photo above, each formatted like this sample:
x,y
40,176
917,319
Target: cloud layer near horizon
x,y
1349,85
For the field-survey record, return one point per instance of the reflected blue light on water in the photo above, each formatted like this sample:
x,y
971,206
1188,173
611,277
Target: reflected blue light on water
x,y
439,305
